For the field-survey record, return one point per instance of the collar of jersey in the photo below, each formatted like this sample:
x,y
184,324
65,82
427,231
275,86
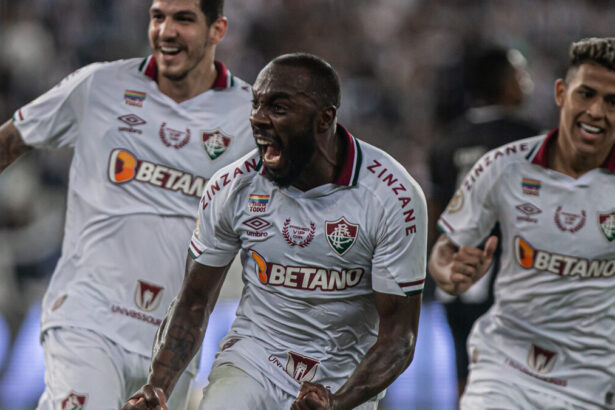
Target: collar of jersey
x,y
223,80
352,163
539,154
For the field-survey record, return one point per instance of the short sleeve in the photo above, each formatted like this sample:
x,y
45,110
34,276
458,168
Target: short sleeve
x,y
53,119
472,213
399,260
214,241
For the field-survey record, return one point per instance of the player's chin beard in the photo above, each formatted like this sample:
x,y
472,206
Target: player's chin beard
x,y
296,156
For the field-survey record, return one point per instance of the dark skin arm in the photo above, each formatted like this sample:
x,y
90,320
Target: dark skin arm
x,y
12,145
181,334
387,359
456,268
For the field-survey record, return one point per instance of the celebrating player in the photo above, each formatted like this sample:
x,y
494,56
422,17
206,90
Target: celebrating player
x,y
147,134
332,234
548,341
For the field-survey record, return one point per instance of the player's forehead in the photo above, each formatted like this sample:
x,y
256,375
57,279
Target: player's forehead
x,y
594,76
276,79
175,6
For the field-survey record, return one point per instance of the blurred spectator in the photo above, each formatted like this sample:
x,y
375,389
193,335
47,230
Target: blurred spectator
x,y
496,81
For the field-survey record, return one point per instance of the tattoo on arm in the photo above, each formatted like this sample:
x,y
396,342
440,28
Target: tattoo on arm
x,y
181,333
12,145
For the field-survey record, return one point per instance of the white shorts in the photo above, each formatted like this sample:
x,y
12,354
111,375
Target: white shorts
x,y
489,388
232,388
84,369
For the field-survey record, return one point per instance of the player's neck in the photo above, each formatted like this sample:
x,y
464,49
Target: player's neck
x,y
200,79
564,159
324,167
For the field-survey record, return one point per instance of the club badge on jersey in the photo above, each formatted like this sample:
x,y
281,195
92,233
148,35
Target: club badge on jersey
x,y
215,143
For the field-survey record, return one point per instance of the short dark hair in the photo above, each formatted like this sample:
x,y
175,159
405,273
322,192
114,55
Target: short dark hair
x,y
598,50
486,71
213,10
324,80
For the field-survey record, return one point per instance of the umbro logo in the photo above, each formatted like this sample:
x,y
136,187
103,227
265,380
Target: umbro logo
x,y
131,120
528,210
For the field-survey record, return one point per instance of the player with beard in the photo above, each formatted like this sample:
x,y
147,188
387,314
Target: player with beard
x,y
332,234
147,134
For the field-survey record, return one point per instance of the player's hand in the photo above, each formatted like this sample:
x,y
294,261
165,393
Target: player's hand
x,y
313,396
147,398
470,264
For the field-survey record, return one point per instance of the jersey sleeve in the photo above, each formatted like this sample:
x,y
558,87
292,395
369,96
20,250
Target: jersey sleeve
x,y
214,241
399,260
53,119
472,213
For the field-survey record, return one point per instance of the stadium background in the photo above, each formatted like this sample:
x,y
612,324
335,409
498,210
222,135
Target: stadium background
x,y
399,64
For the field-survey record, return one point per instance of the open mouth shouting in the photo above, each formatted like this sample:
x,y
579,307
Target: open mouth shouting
x,y
271,152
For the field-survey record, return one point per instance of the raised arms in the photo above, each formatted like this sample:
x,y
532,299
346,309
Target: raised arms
x,y
387,359
11,144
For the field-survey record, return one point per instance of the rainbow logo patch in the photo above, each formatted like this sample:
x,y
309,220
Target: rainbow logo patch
x,y
258,203
530,186
134,98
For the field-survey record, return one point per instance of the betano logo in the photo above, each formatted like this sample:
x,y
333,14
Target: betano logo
x,y
305,277
125,167
529,257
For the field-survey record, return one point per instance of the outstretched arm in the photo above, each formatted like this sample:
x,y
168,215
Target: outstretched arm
x,y
181,334
11,144
456,268
387,359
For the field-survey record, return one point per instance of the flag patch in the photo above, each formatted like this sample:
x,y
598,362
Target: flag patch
x,y
530,186
134,98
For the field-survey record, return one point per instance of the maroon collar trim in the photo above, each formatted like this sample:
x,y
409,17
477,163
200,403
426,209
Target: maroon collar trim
x,y
542,154
352,163
223,79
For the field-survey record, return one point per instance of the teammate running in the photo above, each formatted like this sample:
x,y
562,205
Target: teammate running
x,y
147,135
332,234
548,341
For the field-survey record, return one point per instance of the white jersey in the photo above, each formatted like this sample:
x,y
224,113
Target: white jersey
x,y
312,261
553,321
141,162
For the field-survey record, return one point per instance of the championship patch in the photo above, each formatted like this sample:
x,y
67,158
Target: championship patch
x,y
173,138
296,235
456,202
134,98
341,235
147,295
301,368
258,203
530,186
74,401
568,221
215,143
607,224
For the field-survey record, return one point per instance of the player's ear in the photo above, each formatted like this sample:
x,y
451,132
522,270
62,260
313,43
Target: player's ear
x,y
326,119
560,92
217,30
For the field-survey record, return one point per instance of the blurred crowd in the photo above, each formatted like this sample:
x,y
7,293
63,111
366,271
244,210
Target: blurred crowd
x,y
400,62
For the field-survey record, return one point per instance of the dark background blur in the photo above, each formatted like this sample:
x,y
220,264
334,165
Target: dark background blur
x,y
402,83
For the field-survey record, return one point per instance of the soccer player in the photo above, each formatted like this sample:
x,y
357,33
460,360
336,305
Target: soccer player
x,y
332,234
147,134
495,78
548,340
